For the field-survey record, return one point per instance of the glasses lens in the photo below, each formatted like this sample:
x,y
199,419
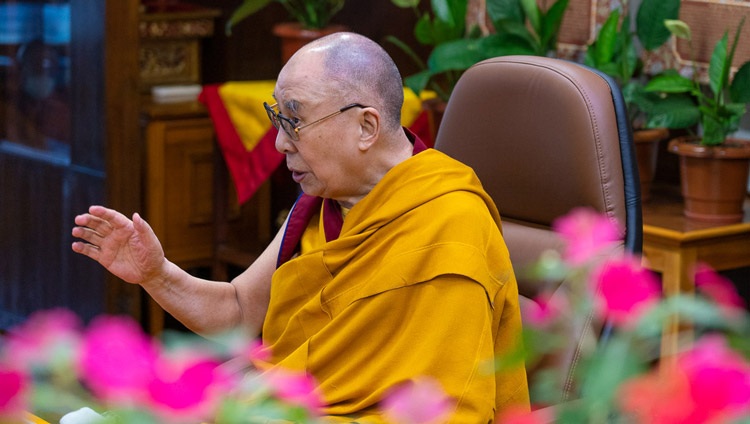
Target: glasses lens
x,y
271,115
279,120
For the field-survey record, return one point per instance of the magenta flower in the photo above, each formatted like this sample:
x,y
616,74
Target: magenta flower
x,y
544,310
187,389
719,380
524,416
295,388
625,290
13,394
585,233
708,384
46,337
420,401
662,396
117,359
719,289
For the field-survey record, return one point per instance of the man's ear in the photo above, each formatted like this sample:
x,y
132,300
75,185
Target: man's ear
x,y
369,127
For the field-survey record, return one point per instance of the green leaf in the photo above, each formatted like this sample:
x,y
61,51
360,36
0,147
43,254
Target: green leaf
x,y
679,28
504,45
718,68
601,379
247,8
517,33
406,3
650,18
550,25
670,83
423,31
604,47
739,90
455,55
674,111
533,14
499,10
418,81
442,10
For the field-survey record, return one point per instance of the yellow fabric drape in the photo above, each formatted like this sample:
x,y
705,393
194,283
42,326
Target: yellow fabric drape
x,y
243,101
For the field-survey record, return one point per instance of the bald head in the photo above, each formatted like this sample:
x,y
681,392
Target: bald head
x,y
359,70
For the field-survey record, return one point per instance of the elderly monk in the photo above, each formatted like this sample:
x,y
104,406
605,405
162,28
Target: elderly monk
x,y
390,267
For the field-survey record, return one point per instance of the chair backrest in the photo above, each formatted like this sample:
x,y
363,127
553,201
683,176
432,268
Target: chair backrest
x,y
545,136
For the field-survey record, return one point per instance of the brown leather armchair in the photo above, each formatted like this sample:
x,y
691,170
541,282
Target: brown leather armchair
x,y
545,136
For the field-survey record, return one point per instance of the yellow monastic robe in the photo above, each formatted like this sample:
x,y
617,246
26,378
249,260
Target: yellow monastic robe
x,y
419,283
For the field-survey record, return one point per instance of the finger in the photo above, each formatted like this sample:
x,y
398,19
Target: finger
x,y
111,216
98,225
88,235
87,249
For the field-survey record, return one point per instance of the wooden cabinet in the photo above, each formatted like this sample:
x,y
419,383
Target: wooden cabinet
x,y
184,172
181,157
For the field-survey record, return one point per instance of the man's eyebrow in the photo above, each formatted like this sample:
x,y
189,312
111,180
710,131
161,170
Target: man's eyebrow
x,y
292,105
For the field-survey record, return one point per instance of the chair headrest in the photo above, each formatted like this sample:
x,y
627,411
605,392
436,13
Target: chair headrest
x,y
538,125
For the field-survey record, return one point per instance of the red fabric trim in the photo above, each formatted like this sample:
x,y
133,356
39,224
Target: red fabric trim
x,y
421,128
249,169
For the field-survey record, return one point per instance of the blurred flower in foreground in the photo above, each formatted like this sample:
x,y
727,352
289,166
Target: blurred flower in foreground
x,y
585,233
47,337
295,388
524,416
545,310
625,290
187,389
117,359
13,402
719,289
708,384
417,402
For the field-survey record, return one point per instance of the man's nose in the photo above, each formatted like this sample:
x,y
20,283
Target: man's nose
x,y
283,142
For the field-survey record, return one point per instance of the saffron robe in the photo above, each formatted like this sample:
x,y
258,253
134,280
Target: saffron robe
x,y
418,283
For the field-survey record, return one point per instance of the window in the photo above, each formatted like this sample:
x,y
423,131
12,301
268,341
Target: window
x,y
35,107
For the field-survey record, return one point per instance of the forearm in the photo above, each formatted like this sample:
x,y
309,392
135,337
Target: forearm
x,y
205,307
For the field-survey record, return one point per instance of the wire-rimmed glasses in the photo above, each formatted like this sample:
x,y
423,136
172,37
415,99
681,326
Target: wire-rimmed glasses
x,y
290,127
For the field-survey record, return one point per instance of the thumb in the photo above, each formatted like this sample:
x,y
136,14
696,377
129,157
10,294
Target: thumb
x,y
140,224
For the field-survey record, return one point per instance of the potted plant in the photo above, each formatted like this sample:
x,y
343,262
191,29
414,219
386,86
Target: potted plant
x,y
616,51
520,27
311,20
713,166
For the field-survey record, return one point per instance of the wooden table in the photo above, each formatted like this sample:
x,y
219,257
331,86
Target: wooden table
x,y
674,244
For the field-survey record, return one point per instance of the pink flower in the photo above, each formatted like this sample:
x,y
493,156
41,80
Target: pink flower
x,y
625,290
662,397
718,288
188,388
418,402
719,379
117,359
585,233
13,396
518,415
46,337
544,310
708,384
295,388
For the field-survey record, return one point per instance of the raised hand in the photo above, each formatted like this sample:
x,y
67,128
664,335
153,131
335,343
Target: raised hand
x,y
128,249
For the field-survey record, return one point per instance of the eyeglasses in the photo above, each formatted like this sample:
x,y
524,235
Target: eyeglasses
x,y
289,125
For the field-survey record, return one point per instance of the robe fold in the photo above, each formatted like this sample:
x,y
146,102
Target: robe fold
x,y
418,284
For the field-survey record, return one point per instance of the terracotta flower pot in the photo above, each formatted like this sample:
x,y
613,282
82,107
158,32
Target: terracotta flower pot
x,y
646,153
293,36
713,178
